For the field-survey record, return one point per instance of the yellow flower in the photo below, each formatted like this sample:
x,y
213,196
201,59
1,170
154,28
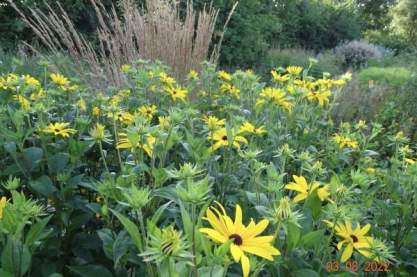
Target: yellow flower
x,y
344,141
192,75
59,80
177,93
304,189
30,81
124,117
148,111
3,203
220,139
320,96
59,129
354,240
370,170
245,239
279,78
223,75
294,70
226,87
247,127
96,111
166,79
361,124
24,103
278,97
133,142
213,122
126,68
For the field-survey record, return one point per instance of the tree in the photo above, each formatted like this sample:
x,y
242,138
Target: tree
x,y
405,20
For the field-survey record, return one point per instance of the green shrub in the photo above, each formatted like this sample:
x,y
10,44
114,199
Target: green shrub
x,y
391,76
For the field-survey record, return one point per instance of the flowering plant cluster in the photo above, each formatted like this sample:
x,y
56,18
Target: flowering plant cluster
x,y
219,174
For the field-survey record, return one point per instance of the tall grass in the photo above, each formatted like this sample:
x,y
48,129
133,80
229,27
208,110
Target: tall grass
x,y
156,32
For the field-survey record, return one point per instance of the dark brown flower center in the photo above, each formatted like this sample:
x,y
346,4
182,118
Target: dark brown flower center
x,y
224,138
354,238
57,130
236,239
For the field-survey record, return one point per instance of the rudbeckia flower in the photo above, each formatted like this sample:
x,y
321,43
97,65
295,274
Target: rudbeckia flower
x,y
322,97
304,189
279,78
294,70
148,111
245,239
213,122
59,80
220,139
177,93
223,75
247,127
354,240
59,129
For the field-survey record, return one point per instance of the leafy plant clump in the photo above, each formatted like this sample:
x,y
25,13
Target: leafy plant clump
x,y
215,174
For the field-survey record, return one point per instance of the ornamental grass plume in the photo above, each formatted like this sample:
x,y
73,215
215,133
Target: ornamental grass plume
x,y
161,30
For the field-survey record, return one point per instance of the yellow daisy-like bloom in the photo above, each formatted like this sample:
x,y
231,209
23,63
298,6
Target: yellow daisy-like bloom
x,y
192,75
124,117
177,93
30,81
213,122
247,127
245,239
96,111
279,78
59,80
59,129
294,70
134,143
226,87
166,79
322,97
220,139
354,240
126,68
223,75
304,189
3,203
278,97
148,111
344,141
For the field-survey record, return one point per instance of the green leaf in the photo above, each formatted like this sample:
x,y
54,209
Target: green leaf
x,y
32,157
120,247
43,185
58,162
293,234
36,230
186,221
5,273
91,271
305,273
131,228
214,271
10,147
312,239
16,257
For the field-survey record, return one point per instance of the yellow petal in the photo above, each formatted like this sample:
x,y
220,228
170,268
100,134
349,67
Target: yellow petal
x,y
364,230
263,252
214,235
256,241
245,266
294,186
300,197
347,253
238,219
254,230
236,252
